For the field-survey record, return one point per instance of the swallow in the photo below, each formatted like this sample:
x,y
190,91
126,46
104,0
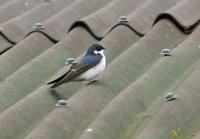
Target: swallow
x,y
89,67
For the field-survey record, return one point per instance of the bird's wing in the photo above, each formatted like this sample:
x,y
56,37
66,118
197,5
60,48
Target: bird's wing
x,y
73,72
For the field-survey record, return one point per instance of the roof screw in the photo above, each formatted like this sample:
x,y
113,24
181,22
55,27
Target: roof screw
x,y
123,19
170,96
89,130
71,61
39,26
62,103
165,52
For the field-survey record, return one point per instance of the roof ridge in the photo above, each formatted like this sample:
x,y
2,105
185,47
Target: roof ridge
x,y
4,50
7,38
83,24
43,33
181,27
31,32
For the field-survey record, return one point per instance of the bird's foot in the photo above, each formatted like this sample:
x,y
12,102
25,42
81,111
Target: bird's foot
x,y
91,82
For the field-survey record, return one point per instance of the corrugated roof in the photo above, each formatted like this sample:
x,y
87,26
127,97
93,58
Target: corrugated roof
x,y
128,101
13,8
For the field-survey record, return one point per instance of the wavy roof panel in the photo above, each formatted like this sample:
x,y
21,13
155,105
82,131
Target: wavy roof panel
x,y
128,101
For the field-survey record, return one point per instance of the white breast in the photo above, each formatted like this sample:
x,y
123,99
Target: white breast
x,y
95,71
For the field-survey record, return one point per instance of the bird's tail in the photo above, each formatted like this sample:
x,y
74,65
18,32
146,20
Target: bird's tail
x,y
52,82
54,85
56,82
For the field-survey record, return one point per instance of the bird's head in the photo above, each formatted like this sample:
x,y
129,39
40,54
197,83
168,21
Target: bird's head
x,y
95,48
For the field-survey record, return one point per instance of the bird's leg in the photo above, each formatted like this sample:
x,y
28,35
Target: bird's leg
x,y
91,82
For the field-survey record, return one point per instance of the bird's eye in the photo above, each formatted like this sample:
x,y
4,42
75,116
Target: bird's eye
x,y
98,49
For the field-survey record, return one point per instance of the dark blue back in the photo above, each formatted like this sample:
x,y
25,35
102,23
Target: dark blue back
x,y
89,58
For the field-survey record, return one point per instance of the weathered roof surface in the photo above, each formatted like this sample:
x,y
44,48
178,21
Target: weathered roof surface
x,y
197,136
13,8
128,101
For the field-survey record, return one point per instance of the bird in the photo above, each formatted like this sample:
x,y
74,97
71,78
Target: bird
x,y
91,65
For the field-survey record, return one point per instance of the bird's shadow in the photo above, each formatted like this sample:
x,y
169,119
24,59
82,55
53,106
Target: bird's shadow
x,y
56,94
95,82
